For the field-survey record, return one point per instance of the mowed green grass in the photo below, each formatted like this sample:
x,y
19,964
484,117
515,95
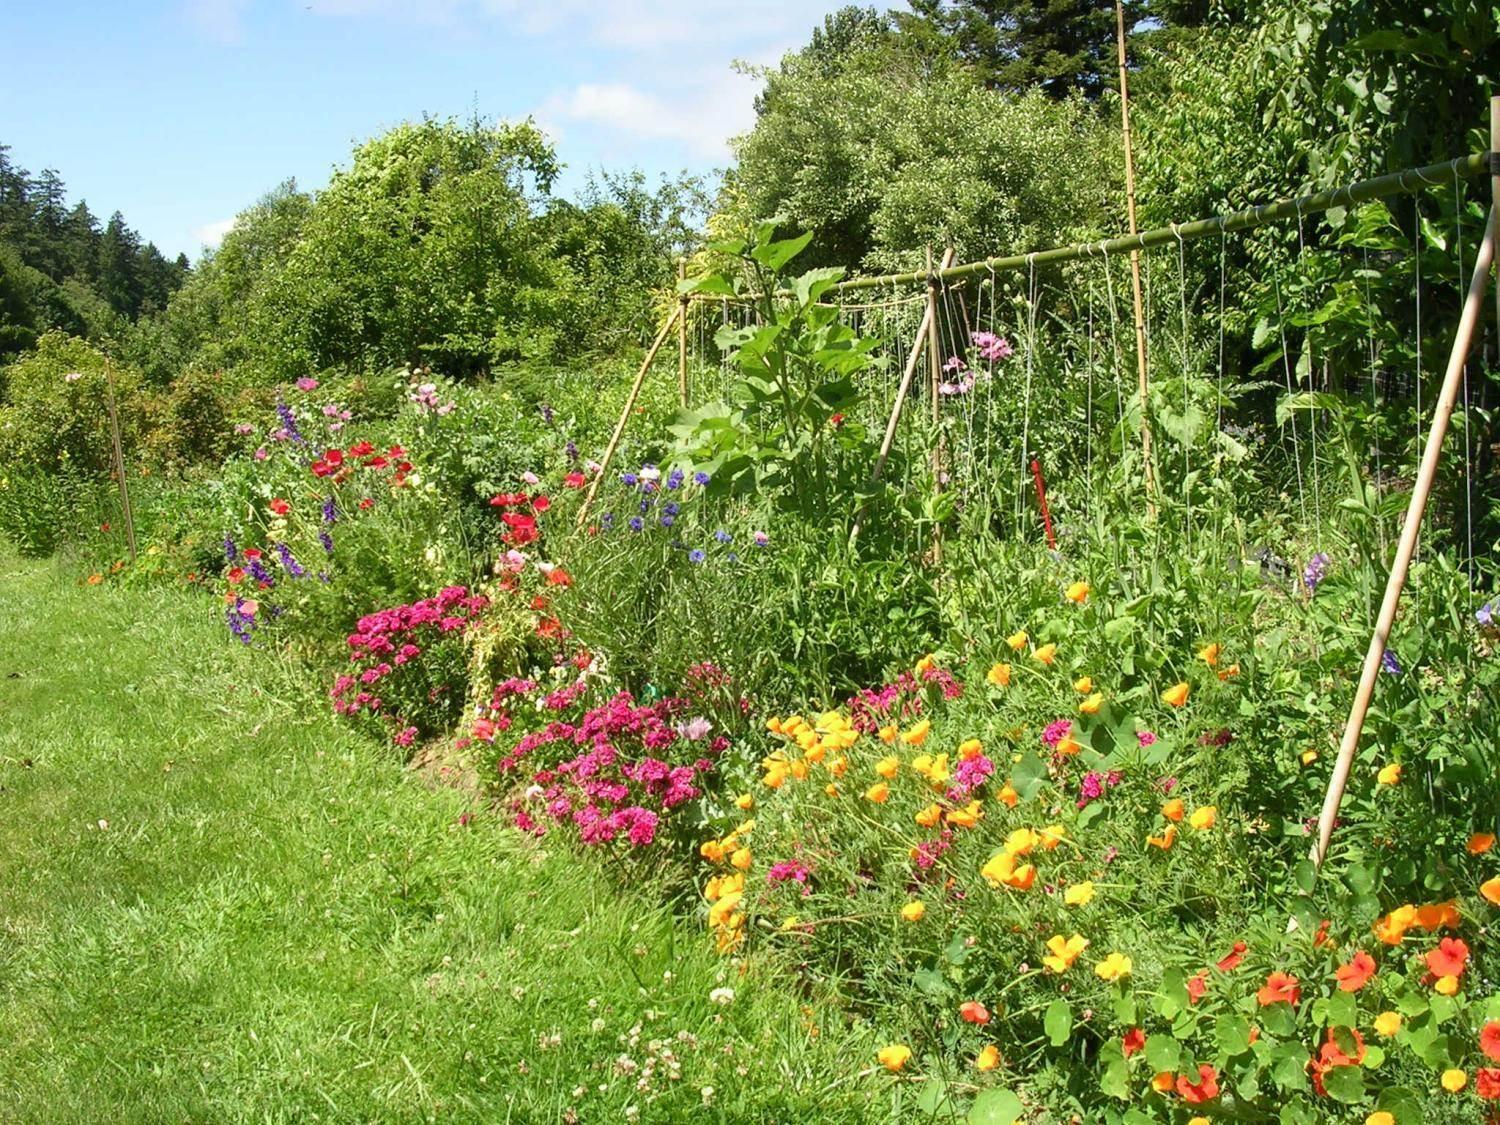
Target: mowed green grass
x,y
216,904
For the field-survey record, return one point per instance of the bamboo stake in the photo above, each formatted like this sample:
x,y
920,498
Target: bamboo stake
x,y
635,390
1494,200
901,391
934,378
1431,453
682,319
1135,262
118,455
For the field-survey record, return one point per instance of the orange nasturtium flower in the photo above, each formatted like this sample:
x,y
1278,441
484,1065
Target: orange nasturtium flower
x,y
1356,974
894,1057
1280,988
1206,1089
973,1011
1133,1040
988,1058
1162,1082
1077,593
1064,951
1481,842
1454,1080
999,674
1176,695
1046,654
1449,958
1173,809
1489,1040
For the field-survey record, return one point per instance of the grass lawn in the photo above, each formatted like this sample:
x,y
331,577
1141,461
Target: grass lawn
x,y
216,904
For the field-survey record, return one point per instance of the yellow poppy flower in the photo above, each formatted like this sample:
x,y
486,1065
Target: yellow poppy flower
x,y
1174,809
1176,695
1046,654
894,1057
888,734
1063,952
1309,756
988,1058
744,802
741,858
712,850
1083,685
1204,818
1009,798
888,767
1052,835
999,674
878,793
1380,1117
773,724
1079,894
970,748
918,733
1389,775
1017,640
1113,967
913,911
966,817
1077,593
925,665
1021,841
1447,986
930,816
831,789
1091,705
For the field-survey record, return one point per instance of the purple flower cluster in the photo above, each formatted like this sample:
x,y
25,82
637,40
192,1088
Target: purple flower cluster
x,y
1056,731
289,561
289,423
992,347
1315,571
1092,787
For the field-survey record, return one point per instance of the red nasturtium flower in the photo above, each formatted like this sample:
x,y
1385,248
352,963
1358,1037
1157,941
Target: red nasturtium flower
x,y
1357,973
1135,1040
1487,1082
1489,1040
974,1012
1320,938
557,576
1231,960
1331,1055
1449,958
1279,988
1206,1089
1197,985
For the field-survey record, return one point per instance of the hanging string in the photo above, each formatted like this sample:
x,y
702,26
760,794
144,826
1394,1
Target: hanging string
x,y
1286,363
1219,416
1026,400
1312,415
1088,410
1374,396
1458,220
1114,336
1184,362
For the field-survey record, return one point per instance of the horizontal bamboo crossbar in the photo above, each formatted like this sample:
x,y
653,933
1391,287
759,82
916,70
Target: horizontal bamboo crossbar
x,y
1363,191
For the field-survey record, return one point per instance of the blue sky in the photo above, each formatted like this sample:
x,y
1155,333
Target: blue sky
x,y
181,113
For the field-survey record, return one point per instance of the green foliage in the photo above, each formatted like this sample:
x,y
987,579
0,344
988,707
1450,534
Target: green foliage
x,y
55,423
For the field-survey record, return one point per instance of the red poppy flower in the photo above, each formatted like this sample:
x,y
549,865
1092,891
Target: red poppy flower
x,y
1206,1089
236,575
507,499
252,552
104,526
334,457
366,504
397,451
1489,1040
540,504
557,576
361,449
1197,985
1135,1040
484,730
1231,961
538,603
1487,1082
836,420
1357,973
279,506
1280,988
1449,958
549,627
376,462
974,1012
574,480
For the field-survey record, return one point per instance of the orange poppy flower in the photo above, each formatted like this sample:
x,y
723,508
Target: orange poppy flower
x,y
1173,809
1165,840
1357,973
1490,889
1449,958
1489,1040
1206,1089
1176,695
1392,928
1438,915
1279,988
1481,842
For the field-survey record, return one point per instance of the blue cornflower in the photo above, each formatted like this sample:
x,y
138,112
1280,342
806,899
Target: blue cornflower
x,y
645,506
700,477
696,555
607,520
668,521
1485,614
327,541
636,523
732,557
324,577
1389,664
629,478
547,413
723,536
571,449
231,552
330,510
674,479
671,508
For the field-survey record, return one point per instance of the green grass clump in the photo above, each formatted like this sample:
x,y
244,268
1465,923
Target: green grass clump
x,y
216,904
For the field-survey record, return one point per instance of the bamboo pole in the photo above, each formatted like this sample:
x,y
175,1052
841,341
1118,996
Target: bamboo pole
x,y
907,374
117,450
1494,201
635,390
1431,454
1135,262
1361,191
682,356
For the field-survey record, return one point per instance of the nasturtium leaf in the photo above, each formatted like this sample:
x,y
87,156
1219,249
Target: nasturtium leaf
x,y
1058,1022
1403,1103
1342,1011
1233,1034
1162,1052
1345,1084
997,1106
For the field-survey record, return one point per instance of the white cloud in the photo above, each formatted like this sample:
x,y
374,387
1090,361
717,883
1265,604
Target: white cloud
x,y
701,114
211,234
220,20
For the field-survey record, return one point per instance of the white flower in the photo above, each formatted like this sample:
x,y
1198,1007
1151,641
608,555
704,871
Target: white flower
x,y
722,997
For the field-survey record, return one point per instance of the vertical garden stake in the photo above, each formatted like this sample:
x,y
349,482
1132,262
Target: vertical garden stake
x,y
935,377
1041,500
1135,264
635,390
682,325
1431,453
117,450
